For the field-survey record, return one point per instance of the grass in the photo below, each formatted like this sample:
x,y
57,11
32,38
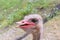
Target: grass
x,y
14,10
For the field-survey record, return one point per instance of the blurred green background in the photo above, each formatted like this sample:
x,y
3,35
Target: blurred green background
x,y
14,10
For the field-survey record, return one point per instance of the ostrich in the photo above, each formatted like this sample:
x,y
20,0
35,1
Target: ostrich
x,y
32,23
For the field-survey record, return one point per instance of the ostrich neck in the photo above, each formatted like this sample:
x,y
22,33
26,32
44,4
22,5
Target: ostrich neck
x,y
36,34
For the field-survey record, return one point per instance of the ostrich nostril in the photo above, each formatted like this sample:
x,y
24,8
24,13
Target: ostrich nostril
x,y
23,22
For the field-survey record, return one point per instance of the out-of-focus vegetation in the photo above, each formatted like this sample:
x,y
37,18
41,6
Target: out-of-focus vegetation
x,y
14,10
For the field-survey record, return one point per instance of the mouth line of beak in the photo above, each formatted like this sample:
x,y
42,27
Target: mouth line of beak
x,y
24,24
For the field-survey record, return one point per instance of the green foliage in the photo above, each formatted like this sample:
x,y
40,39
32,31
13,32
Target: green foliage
x,y
14,10
15,15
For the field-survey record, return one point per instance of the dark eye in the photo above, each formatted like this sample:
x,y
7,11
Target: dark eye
x,y
34,20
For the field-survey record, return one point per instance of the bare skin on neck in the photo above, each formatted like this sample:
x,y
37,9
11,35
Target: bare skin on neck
x,y
36,34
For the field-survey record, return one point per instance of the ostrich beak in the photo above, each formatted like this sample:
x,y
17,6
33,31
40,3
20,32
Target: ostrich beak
x,y
25,24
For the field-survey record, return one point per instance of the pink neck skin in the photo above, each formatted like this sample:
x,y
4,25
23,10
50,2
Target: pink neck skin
x,y
36,34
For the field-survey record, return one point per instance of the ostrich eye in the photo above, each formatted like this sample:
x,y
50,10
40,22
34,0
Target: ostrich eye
x,y
34,20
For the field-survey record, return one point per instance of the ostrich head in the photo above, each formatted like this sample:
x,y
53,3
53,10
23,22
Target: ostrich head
x,y
32,21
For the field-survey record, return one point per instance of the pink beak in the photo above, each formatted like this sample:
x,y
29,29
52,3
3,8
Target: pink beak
x,y
25,24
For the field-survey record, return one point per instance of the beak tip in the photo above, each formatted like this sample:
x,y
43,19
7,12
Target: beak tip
x,y
17,22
